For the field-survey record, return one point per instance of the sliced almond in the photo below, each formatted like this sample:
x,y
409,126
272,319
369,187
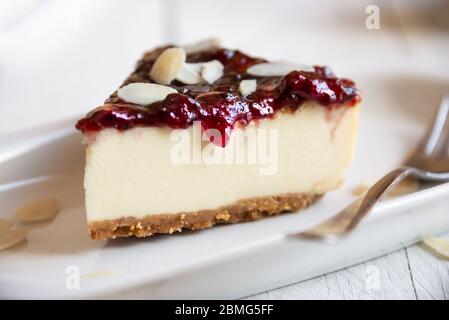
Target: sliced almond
x,y
4,224
190,73
276,69
211,71
99,274
202,45
39,210
247,87
406,186
167,65
11,237
439,245
360,189
144,93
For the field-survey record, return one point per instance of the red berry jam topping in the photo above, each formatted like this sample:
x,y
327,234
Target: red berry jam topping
x,y
220,105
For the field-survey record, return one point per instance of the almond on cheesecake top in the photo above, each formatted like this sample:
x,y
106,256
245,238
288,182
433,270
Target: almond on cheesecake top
x,y
217,86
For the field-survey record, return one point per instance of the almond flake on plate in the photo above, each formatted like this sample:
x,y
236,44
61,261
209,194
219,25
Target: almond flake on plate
x,y
406,186
4,224
276,69
190,73
360,189
98,274
144,93
39,210
205,44
167,65
439,245
246,87
211,71
11,237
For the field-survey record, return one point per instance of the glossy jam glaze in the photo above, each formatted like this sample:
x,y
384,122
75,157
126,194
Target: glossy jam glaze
x,y
220,106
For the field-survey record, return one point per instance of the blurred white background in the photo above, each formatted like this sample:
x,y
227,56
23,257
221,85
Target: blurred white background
x,y
62,58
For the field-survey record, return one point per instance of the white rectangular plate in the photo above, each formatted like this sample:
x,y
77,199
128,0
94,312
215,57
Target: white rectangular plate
x,y
229,261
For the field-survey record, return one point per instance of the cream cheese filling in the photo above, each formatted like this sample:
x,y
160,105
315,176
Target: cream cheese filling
x,y
133,172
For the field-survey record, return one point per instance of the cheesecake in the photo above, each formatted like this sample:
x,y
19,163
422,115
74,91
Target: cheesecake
x,y
202,135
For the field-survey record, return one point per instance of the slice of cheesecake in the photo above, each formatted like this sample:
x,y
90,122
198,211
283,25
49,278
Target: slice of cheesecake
x,y
199,137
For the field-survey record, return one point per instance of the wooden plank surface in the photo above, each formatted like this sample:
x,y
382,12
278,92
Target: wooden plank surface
x,y
410,273
430,274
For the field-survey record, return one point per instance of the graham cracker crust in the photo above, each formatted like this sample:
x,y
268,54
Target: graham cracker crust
x,y
243,210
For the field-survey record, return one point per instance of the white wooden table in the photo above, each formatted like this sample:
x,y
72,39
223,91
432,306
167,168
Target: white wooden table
x,y
410,273
71,29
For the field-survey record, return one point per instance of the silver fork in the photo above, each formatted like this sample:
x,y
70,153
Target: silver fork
x,y
430,162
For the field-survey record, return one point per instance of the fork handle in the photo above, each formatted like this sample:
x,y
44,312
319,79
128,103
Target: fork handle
x,y
377,192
